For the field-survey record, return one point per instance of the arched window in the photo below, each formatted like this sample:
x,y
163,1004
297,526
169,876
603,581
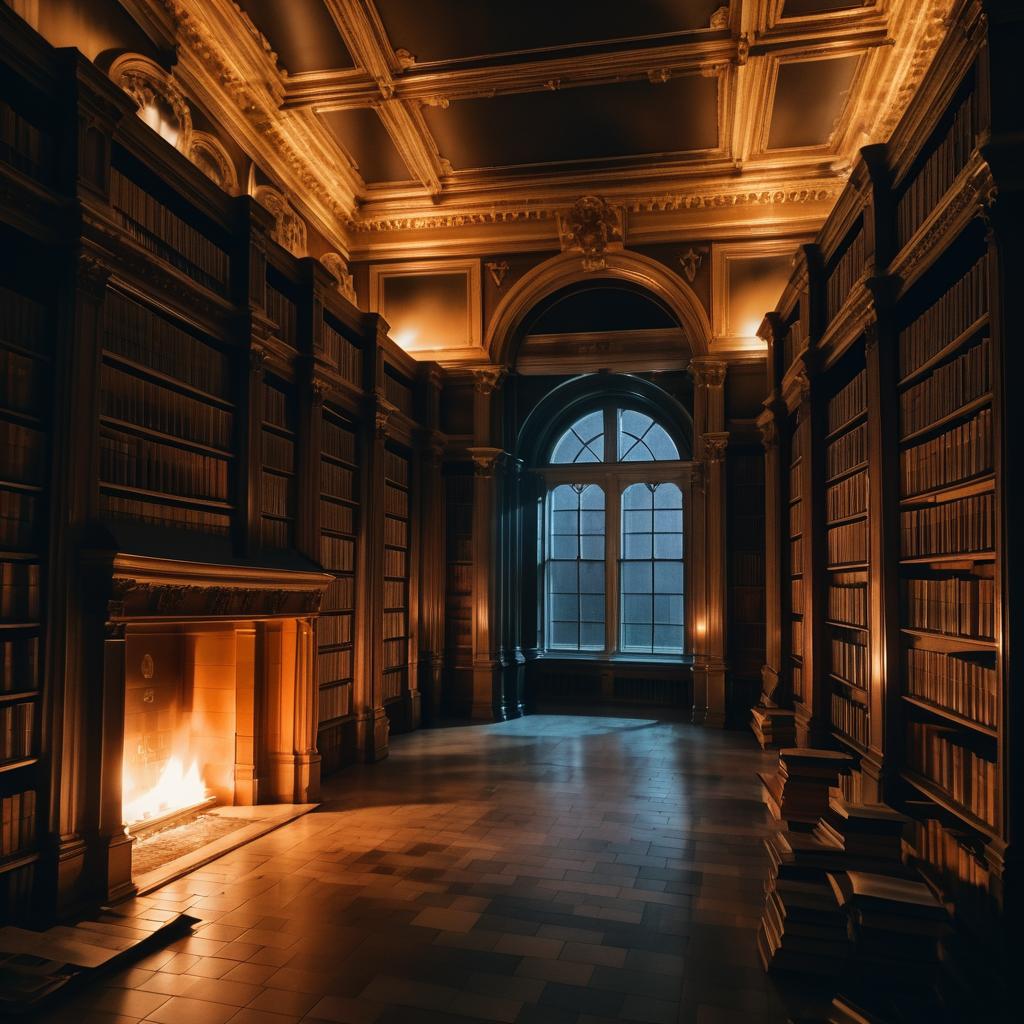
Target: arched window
x,y
611,544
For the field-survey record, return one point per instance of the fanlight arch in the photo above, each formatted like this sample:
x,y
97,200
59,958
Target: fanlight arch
x,y
207,152
567,268
162,104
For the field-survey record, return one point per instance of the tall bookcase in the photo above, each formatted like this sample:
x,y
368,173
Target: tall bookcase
x,y
26,398
396,575
912,597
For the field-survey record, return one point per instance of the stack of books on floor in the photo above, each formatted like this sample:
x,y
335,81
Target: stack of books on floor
x,y
897,926
799,791
773,727
867,833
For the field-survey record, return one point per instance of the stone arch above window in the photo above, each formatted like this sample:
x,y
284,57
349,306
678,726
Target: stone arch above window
x,y
209,155
162,104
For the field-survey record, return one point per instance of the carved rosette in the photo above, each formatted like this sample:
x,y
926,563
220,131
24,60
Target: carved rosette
x,y
591,226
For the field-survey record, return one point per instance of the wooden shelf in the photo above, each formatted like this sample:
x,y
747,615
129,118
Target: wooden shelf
x,y
937,426
939,796
964,557
950,716
15,765
166,380
945,352
846,472
14,696
853,421
163,498
855,517
276,428
21,859
338,461
951,641
17,627
860,693
169,439
981,484
835,624
849,741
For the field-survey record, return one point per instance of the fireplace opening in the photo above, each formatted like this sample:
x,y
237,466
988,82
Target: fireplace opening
x,y
189,727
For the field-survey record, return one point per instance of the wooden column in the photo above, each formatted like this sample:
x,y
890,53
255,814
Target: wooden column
x,y
431,526
248,700
487,501
515,521
709,632
113,833
372,726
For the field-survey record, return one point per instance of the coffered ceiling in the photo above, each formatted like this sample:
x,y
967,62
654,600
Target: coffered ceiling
x,y
428,123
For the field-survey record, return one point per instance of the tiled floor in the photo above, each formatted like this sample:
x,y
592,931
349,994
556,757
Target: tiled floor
x,y
548,870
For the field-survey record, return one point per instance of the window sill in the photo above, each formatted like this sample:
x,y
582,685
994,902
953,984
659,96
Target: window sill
x,y
618,659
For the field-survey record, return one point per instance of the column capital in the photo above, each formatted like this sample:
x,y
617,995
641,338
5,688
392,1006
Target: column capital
x,y
714,445
383,410
708,372
768,425
432,444
487,379
485,460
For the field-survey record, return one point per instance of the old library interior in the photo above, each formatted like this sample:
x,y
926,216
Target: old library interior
x,y
505,511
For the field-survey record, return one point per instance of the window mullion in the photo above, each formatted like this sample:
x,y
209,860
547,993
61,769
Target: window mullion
x,y
613,535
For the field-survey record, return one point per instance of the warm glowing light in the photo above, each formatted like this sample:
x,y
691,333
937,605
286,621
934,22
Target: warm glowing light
x,y
177,787
406,337
700,627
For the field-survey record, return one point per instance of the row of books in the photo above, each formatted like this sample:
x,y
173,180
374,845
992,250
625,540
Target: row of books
x,y
796,597
130,461
945,161
346,357
796,673
164,233
747,568
23,322
951,855
958,454
398,393
145,337
340,594
396,501
460,577
19,590
395,563
278,533
157,514
131,399
334,629
396,653
944,321
278,407
337,554
17,822
793,342
278,452
393,682
796,556
847,498
282,311
394,625
849,401
955,605
845,274
22,453
941,755
949,388
277,495
23,145
796,443
847,452
21,383
337,441
747,606
850,660
17,730
335,701
796,637
334,665
337,518
948,528
19,664
18,520
336,481
795,515
848,544
964,683
850,718
396,532
848,602
394,593
396,468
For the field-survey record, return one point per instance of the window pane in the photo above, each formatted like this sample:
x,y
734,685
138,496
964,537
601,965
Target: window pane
x,y
574,568
582,442
651,570
640,439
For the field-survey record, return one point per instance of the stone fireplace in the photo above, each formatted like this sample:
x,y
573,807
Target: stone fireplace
x,y
208,695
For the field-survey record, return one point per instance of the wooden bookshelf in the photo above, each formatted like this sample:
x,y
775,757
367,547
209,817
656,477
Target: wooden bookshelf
x,y
746,565
397,571
458,575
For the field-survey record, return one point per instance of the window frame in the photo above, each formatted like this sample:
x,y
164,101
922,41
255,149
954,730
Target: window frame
x,y
613,478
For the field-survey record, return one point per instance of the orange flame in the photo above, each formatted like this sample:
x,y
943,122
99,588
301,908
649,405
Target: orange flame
x,y
177,787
